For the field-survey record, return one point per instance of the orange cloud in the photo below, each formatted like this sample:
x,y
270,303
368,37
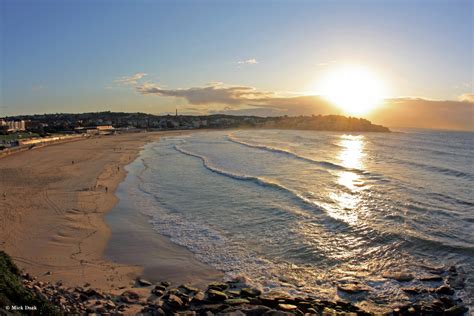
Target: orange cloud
x,y
245,100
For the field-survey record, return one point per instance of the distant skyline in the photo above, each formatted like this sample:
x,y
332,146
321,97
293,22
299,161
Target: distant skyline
x,y
240,57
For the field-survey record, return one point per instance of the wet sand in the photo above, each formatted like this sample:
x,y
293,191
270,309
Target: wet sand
x,y
133,241
52,217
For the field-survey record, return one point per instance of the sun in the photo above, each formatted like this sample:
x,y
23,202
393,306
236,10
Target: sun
x,y
355,89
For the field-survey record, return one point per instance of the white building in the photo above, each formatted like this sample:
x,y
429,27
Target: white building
x,y
14,126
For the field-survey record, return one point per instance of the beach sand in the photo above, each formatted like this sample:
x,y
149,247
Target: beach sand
x,y
52,218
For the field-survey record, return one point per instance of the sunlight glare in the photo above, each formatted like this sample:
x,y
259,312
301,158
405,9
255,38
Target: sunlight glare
x,y
355,89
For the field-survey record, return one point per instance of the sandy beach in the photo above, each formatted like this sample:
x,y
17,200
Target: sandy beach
x,y
52,211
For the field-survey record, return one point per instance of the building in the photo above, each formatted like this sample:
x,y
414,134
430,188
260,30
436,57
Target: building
x,y
13,126
96,130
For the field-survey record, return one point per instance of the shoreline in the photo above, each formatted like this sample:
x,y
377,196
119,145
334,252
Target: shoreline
x,y
134,241
53,211
54,224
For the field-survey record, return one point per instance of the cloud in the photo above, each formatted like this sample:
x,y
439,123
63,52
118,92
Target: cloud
x,y
423,113
251,61
467,97
232,98
244,100
209,94
130,80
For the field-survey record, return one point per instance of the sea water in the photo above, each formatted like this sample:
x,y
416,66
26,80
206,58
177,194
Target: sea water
x,y
304,211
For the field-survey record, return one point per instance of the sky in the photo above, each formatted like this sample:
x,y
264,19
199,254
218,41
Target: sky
x,y
242,57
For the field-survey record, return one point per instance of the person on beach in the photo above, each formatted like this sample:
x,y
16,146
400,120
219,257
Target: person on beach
x,y
106,189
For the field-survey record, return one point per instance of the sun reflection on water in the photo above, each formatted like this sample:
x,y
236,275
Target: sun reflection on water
x,y
352,151
350,157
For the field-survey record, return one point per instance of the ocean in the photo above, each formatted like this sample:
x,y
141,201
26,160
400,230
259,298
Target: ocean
x,y
304,211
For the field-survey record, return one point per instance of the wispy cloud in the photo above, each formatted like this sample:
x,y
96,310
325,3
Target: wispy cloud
x,y
467,97
251,61
130,80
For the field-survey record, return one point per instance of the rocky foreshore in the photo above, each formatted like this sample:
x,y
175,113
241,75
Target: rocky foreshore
x,y
226,298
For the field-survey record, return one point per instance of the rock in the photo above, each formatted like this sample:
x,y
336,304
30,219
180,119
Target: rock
x,y
254,300
28,277
233,293
413,290
456,281
186,313
430,278
287,307
127,300
165,283
447,301
232,313
160,287
444,290
273,312
346,306
272,299
143,282
189,288
186,298
250,292
160,312
101,309
174,301
353,288
214,308
303,305
93,292
257,310
83,297
236,301
456,310
90,310
399,276
156,292
218,286
131,294
129,297
329,311
122,307
436,270
172,291
411,310
198,297
216,295
155,301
